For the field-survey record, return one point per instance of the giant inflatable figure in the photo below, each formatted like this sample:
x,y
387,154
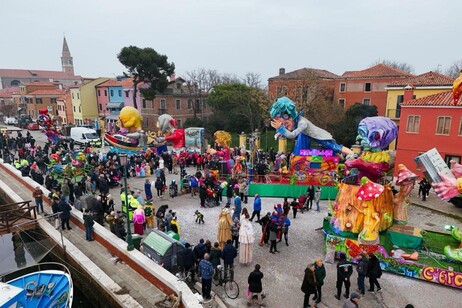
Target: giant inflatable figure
x,y
130,119
168,130
291,124
223,140
406,180
457,89
51,131
374,135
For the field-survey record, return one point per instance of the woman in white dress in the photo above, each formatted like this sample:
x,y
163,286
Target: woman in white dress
x,y
246,239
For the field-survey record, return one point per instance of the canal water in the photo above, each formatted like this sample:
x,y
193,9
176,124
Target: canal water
x,y
27,248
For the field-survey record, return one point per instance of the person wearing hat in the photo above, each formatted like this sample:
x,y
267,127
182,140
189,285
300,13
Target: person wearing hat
x,y
353,301
309,285
344,272
362,272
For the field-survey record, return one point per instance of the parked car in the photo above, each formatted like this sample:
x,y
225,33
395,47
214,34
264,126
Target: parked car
x,y
11,121
33,126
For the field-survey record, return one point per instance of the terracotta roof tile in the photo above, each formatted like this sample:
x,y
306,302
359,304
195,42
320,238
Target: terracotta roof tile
x,y
128,82
425,79
439,99
304,72
36,74
377,71
8,92
47,92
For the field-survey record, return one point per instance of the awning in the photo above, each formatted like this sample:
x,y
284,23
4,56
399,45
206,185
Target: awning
x,y
115,105
112,116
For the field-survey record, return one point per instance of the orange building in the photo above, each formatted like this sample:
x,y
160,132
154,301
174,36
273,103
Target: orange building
x,y
65,114
367,86
429,122
34,96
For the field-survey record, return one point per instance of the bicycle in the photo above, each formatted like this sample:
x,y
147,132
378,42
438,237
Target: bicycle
x,y
187,275
230,286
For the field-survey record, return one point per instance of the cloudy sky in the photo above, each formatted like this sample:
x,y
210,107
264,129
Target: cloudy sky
x,y
232,36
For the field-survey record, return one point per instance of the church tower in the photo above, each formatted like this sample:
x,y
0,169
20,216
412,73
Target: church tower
x,y
66,60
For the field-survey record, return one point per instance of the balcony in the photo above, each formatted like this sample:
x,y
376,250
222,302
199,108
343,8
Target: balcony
x,y
162,111
393,113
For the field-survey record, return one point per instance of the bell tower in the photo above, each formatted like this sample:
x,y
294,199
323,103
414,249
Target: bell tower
x,y
66,60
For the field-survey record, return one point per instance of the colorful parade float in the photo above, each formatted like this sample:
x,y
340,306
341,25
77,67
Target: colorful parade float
x,y
368,217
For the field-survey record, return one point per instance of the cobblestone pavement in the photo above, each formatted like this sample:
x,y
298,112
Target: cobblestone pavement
x,y
284,271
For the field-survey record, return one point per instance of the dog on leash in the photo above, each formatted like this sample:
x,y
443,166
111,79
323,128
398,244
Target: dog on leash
x,y
199,217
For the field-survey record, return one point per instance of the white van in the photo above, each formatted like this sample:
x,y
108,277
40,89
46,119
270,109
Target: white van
x,y
84,135
11,121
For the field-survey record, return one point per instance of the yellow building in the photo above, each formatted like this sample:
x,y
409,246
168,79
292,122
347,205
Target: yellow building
x,y
411,88
84,102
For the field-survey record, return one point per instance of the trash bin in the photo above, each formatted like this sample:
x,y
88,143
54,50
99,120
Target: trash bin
x,y
162,249
173,235
136,239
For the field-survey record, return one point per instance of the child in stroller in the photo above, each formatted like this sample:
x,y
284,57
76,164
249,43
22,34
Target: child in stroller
x,y
210,197
173,189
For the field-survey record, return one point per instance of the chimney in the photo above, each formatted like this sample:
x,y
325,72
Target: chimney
x,y
282,71
408,93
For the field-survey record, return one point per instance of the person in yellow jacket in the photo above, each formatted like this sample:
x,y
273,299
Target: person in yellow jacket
x,y
174,225
149,211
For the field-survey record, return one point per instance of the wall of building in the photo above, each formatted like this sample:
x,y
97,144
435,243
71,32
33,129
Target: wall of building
x,y
411,145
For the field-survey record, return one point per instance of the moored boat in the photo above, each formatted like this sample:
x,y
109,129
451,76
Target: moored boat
x,y
42,285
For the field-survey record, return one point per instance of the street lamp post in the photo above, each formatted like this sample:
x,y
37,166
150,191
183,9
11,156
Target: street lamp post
x,y
123,162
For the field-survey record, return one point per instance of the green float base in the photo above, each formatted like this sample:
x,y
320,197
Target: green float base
x,y
290,191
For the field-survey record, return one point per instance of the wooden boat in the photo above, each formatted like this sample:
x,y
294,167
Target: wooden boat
x,y
39,286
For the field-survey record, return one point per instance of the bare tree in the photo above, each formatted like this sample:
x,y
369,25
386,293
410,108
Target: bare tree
x,y
200,82
403,66
7,109
252,80
455,69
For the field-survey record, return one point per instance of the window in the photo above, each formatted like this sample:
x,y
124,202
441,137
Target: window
x,y
99,93
189,104
280,91
449,157
367,101
413,124
100,107
144,103
74,108
78,95
443,125
163,104
460,127
342,87
105,92
367,87
178,104
112,92
179,123
341,102
53,100
80,109
178,85
120,93
38,101
72,95
126,93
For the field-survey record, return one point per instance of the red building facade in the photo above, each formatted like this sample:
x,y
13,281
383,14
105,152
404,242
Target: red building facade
x,y
367,86
429,122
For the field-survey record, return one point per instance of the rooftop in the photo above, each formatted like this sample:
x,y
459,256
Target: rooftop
x,y
47,92
376,71
8,92
5,72
439,99
305,72
128,82
425,79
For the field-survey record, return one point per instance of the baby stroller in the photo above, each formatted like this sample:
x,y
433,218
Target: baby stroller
x,y
210,198
185,184
173,189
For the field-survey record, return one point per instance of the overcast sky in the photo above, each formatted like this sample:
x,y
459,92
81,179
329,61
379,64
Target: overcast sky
x,y
232,36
